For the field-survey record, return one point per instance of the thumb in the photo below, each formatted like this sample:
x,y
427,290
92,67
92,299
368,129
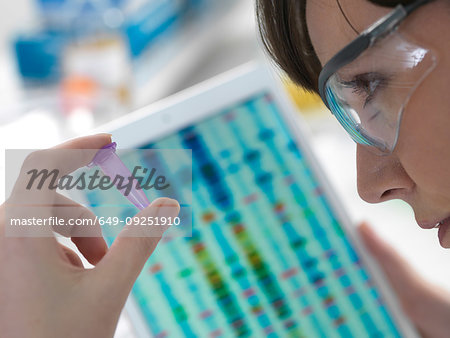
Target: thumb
x,y
124,261
396,268
425,304
403,278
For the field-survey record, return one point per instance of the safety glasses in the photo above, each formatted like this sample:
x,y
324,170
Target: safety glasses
x,y
369,82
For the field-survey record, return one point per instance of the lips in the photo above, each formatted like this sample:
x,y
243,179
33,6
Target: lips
x,y
434,224
444,227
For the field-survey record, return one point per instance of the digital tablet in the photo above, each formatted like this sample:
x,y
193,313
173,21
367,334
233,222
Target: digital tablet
x,y
271,253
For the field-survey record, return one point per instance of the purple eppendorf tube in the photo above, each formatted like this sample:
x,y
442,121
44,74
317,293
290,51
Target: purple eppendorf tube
x,y
112,166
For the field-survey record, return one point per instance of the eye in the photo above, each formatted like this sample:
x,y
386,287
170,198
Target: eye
x,y
366,85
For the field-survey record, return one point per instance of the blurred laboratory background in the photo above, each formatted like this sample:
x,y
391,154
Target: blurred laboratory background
x,y
80,63
68,66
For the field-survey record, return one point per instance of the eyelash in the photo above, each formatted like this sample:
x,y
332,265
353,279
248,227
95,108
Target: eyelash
x,y
360,85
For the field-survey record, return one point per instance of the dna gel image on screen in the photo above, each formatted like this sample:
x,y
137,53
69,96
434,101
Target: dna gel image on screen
x,y
267,256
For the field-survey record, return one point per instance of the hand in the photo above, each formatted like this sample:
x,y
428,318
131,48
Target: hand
x,y
427,306
44,289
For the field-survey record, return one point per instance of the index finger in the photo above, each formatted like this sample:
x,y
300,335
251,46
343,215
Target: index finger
x,y
57,162
34,192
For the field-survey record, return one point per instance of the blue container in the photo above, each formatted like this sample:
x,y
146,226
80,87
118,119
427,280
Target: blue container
x,y
142,28
39,55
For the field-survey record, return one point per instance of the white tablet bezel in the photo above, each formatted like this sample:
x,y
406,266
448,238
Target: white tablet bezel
x,y
211,97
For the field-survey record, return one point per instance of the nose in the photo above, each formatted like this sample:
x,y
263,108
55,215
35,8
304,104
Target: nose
x,y
381,178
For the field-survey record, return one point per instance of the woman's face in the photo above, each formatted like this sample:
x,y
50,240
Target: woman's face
x,y
418,171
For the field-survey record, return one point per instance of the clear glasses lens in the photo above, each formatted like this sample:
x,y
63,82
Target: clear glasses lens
x,y
369,94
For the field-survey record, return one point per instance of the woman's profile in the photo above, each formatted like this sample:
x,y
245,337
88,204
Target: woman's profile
x,y
383,69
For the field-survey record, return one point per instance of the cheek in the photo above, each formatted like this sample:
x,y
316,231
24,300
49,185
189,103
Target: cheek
x,y
424,142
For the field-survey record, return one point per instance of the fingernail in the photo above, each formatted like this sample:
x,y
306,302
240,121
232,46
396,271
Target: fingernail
x,y
168,208
107,134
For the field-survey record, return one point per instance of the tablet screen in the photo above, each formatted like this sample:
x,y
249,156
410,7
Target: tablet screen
x,y
267,255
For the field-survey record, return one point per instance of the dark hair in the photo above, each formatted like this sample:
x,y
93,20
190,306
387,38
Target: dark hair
x,y
283,30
